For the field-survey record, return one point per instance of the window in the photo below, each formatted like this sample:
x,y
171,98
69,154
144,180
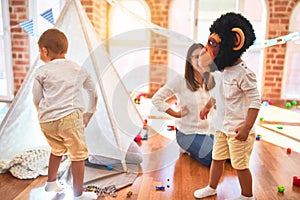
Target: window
x,y
181,22
41,24
196,16
6,75
129,43
291,80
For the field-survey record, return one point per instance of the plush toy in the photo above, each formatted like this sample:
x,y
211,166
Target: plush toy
x,y
230,36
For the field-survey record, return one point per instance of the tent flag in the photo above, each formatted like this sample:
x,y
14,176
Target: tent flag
x,y
48,15
28,26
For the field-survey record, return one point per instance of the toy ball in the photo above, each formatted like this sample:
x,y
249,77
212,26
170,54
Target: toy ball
x,y
265,103
294,102
270,102
288,150
109,167
288,105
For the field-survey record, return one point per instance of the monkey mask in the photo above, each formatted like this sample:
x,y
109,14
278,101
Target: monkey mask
x,y
230,36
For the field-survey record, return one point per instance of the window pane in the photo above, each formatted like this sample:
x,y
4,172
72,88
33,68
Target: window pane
x,y
181,21
291,81
1,21
129,44
3,84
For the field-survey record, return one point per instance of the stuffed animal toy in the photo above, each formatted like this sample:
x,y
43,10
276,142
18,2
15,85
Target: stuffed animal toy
x,y
230,36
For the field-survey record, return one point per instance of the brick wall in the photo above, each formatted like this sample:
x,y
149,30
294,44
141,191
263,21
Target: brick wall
x,y
97,11
20,42
279,13
159,45
277,21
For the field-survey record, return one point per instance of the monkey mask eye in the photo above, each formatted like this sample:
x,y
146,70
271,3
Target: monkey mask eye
x,y
213,45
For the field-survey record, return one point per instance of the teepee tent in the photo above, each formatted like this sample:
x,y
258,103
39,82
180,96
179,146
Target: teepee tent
x,y
116,121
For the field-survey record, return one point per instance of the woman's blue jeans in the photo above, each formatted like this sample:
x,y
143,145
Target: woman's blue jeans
x,y
199,146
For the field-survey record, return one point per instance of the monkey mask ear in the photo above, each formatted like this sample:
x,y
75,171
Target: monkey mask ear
x,y
239,38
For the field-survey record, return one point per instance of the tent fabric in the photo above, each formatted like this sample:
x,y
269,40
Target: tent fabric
x,y
110,131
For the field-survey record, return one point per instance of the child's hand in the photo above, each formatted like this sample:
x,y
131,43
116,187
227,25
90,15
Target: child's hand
x,y
204,112
242,133
86,118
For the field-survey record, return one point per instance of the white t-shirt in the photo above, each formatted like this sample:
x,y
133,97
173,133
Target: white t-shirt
x,y
235,92
195,101
58,90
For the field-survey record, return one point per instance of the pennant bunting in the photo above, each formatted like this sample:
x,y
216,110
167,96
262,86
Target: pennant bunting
x,y
28,26
48,15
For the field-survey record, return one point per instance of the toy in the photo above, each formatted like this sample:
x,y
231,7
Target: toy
x,y
138,138
261,119
288,150
296,180
101,191
257,137
129,194
280,189
137,99
294,102
145,137
265,103
145,123
170,128
160,188
270,102
279,127
288,105
109,167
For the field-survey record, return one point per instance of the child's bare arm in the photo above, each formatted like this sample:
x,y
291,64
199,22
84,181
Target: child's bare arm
x,y
242,132
86,118
204,111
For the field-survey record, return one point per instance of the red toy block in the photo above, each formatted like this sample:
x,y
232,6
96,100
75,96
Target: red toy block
x,y
170,128
145,124
138,138
296,180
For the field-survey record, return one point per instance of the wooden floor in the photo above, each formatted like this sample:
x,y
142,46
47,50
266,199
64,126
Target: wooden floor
x,y
163,165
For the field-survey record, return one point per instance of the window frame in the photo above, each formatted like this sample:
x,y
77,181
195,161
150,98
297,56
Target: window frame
x,y
7,53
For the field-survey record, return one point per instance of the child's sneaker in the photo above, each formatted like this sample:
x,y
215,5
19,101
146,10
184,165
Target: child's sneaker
x,y
54,187
205,192
242,197
87,196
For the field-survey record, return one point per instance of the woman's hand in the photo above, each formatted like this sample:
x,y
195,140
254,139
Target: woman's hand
x,y
182,112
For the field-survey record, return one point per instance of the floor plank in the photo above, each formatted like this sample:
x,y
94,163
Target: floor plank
x,y
270,165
